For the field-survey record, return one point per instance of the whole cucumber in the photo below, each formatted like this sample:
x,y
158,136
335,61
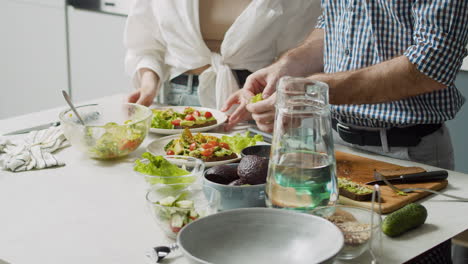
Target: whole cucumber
x,y
404,219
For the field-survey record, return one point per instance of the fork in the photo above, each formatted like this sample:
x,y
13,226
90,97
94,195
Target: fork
x,y
409,190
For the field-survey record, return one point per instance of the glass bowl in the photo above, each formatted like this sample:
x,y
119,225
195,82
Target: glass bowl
x,y
360,227
111,130
194,166
196,201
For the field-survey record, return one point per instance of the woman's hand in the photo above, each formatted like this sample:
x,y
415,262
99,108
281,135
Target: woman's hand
x,y
240,114
148,89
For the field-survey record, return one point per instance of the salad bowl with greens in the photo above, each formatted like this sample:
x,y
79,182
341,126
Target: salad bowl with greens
x,y
177,171
110,130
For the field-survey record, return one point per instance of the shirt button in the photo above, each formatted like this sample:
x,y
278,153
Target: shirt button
x,y
346,52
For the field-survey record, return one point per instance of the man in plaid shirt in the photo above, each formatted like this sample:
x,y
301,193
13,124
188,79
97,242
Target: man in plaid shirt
x,y
390,66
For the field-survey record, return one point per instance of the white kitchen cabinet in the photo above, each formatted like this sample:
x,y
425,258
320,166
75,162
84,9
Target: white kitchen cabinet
x,y
33,67
96,54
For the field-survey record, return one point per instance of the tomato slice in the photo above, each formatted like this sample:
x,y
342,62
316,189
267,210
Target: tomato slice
x,y
193,146
207,152
206,146
170,152
214,143
176,122
208,114
224,145
196,113
189,118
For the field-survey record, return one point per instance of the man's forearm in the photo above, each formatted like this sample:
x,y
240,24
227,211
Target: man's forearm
x,y
306,59
391,80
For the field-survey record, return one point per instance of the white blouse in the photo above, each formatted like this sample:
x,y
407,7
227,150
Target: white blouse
x,y
165,36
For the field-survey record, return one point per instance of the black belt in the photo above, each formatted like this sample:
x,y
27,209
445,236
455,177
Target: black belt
x,y
184,78
396,136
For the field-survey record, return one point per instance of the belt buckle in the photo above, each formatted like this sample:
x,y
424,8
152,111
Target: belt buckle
x,y
339,125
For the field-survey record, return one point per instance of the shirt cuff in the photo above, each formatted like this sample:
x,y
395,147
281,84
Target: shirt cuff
x,y
436,54
150,63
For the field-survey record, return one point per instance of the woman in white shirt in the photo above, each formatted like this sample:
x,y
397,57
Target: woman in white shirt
x,y
208,47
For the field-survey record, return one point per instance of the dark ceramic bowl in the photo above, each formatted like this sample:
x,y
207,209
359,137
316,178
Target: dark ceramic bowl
x,y
259,150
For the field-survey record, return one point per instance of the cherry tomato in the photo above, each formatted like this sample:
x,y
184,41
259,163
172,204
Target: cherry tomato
x,y
130,144
193,146
206,146
214,143
224,145
207,152
176,122
208,114
189,118
196,113
170,152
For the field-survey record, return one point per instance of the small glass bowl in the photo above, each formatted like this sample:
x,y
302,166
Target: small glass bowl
x,y
359,226
110,130
194,166
172,219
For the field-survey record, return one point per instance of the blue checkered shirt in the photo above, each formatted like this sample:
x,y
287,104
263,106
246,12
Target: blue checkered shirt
x,y
432,34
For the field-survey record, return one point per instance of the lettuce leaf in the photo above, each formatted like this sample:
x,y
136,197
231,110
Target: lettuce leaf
x,y
162,119
158,166
239,142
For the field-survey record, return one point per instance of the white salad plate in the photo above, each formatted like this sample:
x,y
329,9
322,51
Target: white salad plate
x,y
221,118
157,148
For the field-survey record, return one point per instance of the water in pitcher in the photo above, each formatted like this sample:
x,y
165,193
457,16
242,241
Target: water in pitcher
x,y
301,181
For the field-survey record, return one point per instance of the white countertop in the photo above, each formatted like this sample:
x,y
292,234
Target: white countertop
x,y
93,211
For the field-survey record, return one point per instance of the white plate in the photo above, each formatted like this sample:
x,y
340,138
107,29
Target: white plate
x,y
157,148
220,118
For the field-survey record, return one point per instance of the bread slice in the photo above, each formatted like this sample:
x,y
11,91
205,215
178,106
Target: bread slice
x,y
353,190
209,123
215,158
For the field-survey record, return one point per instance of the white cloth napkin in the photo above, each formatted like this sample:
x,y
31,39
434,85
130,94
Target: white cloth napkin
x,y
34,151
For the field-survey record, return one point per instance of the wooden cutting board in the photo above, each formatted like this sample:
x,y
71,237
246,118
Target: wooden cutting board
x,y
361,170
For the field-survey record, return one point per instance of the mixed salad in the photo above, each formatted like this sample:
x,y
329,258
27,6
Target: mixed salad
x,y
176,211
210,148
116,140
189,118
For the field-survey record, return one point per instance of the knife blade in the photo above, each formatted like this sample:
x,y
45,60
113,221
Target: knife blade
x,y
415,177
26,130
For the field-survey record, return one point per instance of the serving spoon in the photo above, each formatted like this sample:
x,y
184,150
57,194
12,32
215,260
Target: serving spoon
x,y
70,103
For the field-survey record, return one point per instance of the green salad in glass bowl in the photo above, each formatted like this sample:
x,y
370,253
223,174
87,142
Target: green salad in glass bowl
x,y
110,131
174,170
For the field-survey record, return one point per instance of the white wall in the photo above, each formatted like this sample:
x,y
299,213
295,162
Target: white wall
x,y
33,66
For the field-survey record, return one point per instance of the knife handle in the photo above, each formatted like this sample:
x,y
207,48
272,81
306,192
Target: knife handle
x,y
424,176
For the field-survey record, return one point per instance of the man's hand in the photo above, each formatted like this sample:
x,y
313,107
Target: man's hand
x,y
263,113
148,88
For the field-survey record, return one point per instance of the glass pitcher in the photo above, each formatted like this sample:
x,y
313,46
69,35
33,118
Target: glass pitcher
x,y
301,174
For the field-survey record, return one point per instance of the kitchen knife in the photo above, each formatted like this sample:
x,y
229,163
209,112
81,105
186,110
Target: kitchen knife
x,y
415,177
26,130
